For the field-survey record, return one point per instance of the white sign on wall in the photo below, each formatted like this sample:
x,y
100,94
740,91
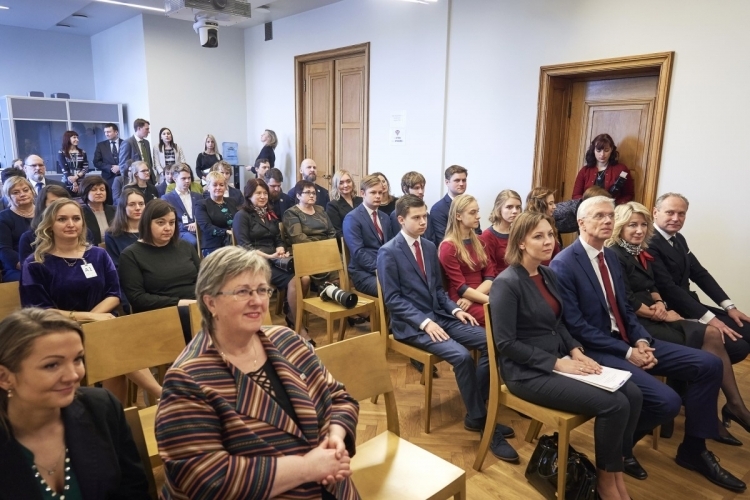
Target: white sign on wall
x,y
397,128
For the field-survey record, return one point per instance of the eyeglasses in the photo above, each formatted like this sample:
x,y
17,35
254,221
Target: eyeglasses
x,y
245,293
35,165
309,193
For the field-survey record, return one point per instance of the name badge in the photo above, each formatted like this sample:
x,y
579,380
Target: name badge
x,y
88,270
185,219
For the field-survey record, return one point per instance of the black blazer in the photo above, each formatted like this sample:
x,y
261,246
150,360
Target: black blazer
x,y
103,159
93,225
639,281
337,210
101,450
528,336
252,232
674,270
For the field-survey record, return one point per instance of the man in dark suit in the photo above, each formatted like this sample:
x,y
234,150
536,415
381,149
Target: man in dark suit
x,y
184,201
412,183
366,229
107,155
309,170
599,316
137,148
278,199
455,181
421,314
36,170
676,266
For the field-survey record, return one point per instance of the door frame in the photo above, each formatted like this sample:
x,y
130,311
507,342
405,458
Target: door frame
x,y
545,170
362,49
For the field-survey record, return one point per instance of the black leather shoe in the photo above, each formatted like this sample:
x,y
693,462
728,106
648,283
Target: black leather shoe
x,y
708,464
667,430
728,439
632,468
420,367
727,416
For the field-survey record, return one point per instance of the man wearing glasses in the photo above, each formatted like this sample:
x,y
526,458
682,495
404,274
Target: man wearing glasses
x,y
35,170
309,170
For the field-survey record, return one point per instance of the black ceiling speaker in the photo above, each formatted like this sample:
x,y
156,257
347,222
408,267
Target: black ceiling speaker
x,y
269,31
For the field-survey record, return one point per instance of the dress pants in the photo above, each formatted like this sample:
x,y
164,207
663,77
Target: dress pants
x,y
366,284
473,381
701,370
616,412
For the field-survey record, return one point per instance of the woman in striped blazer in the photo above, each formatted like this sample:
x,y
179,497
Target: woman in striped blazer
x,y
250,411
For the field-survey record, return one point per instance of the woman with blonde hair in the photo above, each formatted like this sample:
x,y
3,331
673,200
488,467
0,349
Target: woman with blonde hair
x,y
344,199
495,238
464,259
14,221
140,179
388,202
207,158
270,141
542,200
231,192
215,215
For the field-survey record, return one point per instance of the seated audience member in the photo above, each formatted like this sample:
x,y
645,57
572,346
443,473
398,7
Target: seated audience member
x,y
159,270
388,203
526,307
14,221
195,186
542,200
35,170
6,174
464,260
366,229
602,169
412,183
307,221
597,314
343,200
257,228
495,238
280,202
566,211
165,154
168,179
632,231
455,181
184,201
72,162
308,169
209,447
207,158
232,192
123,231
422,315
260,168
94,192
215,215
141,180
48,195
77,435
676,266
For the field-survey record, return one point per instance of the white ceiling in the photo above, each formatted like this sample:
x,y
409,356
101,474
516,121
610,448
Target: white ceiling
x,y
46,14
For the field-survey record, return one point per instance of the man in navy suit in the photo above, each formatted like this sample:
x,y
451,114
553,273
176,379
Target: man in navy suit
x,y
455,181
366,229
412,183
137,148
422,315
599,316
309,170
184,201
107,155
279,200
36,170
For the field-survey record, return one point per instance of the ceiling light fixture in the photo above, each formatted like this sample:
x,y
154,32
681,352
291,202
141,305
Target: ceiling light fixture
x,y
263,8
80,16
3,7
115,2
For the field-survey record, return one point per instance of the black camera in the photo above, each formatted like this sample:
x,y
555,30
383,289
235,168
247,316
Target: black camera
x,y
286,264
336,294
615,188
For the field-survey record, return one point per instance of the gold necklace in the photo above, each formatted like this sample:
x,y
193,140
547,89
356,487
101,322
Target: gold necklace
x,y
53,470
224,356
28,214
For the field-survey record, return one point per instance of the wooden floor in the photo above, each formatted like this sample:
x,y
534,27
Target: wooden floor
x,y
499,480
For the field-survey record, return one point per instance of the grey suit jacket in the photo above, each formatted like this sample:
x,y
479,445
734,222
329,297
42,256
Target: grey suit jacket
x,y
129,152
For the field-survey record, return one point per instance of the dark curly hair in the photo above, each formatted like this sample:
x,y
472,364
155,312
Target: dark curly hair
x,y
600,142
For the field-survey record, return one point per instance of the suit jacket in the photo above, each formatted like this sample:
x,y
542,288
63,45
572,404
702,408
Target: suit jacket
x,y
338,209
585,310
322,197
93,225
255,233
129,152
158,157
439,219
281,205
675,269
409,296
363,241
639,280
100,447
587,177
173,198
210,413
528,335
429,232
103,159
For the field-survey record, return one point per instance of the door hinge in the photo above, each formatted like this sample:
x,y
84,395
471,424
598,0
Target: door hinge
x,y
570,108
304,85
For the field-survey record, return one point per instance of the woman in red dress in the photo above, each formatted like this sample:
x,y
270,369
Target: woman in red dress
x,y
495,238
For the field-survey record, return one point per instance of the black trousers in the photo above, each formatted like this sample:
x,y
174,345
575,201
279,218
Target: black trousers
x,y
616,412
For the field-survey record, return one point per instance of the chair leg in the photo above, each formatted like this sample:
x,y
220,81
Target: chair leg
x,y
461,493
484,443
534,427
427,375
374,399
563,437
342,328
655,437
329,330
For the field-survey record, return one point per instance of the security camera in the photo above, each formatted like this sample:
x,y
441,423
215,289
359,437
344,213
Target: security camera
x,y
208,31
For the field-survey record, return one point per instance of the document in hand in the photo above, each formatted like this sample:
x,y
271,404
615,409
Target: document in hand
x,y
610,379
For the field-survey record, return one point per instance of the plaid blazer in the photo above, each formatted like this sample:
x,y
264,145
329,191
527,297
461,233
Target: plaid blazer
x,y
220,434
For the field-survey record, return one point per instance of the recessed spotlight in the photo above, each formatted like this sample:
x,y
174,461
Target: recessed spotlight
x,y
263,8
115,2
63,25
80,16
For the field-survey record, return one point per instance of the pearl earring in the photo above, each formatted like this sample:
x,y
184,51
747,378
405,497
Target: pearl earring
x,y
10,393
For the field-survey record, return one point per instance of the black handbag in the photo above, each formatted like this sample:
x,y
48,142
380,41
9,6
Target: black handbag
x,y
542,471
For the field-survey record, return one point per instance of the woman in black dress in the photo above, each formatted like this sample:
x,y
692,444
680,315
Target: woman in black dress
x,y
388,202
14,221
72,161
344,199
269,140
215,215
141,180
96,211
207,158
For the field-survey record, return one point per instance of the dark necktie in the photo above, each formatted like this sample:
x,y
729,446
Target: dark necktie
x,y
39,187
114,149
611,297
676,244
418,254
377,228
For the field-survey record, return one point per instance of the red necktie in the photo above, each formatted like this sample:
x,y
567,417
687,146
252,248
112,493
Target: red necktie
x,y
375,221
420,262
611,297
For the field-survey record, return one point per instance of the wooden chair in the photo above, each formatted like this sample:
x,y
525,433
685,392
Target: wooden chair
x,y
198,240
196,319
387,466
10,298
136,428
319,257
426,358
346,284
130,343
564,422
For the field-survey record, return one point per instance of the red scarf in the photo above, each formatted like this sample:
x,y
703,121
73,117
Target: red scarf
x,y
644,257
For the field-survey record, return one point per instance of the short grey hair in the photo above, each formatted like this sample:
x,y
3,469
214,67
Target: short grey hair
x,y
219,267
585,207
11,182
663,197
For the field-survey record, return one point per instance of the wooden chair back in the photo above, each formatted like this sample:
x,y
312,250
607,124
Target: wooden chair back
x,y
10,298
316,257
126,344
345,258
198,240
495,380
360,364
136,428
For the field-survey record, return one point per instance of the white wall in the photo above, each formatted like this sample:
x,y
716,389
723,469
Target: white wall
x,y
119,56
45,60
193,90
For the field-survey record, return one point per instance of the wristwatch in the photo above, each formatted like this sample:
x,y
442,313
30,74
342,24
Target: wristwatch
x,y
663,302
730,307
